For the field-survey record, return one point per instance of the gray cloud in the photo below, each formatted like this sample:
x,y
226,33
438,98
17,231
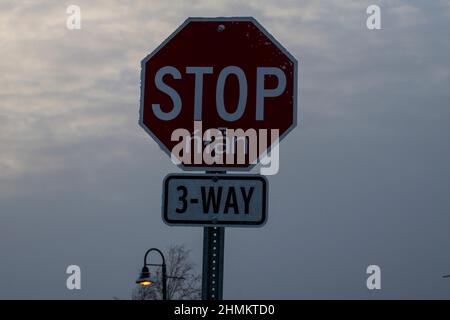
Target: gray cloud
x,y
363,179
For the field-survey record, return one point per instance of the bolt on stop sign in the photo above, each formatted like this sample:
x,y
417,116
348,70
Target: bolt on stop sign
x,y
219,93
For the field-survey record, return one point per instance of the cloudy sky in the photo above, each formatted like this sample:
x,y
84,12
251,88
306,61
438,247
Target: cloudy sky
x,y
364,178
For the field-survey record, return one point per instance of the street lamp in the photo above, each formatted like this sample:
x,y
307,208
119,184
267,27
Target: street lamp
x,y
146,280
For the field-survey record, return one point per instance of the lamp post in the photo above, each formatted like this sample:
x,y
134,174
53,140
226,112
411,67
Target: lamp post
x,y
145,279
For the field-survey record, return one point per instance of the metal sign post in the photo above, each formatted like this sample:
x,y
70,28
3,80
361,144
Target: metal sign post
x,y
213,255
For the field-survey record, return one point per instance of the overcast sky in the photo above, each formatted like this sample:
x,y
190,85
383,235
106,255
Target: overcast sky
x,y
364,178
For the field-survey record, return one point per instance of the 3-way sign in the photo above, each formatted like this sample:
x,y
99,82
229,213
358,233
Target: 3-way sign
x,y
215,200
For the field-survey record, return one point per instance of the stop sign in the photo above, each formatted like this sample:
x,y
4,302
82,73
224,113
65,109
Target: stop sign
x,y
218,93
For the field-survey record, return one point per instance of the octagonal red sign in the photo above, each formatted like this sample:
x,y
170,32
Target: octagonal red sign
x,y
218,93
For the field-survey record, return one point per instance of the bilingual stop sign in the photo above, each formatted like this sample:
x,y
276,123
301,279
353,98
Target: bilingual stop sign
x,y
218,93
